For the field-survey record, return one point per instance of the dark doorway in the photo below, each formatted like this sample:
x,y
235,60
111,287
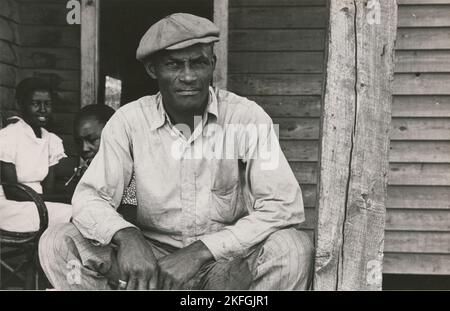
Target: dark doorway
x,y
122,24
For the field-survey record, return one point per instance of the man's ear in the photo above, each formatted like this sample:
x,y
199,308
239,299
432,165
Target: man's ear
x,y
151,70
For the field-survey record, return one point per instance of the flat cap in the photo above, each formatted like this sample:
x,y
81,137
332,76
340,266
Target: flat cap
x,y
176,31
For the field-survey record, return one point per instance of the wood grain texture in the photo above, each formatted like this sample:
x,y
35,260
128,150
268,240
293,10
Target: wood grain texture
x,y
419,197
50,36
417,242
416,174
280,40
354,147
424,16
422,61
39,13
423,39
89,51
404,263
10,10
270,3
276,62
420,129
221,19
269,17
418,220
275,84
421,106
420,151
422,84
50,58
289,106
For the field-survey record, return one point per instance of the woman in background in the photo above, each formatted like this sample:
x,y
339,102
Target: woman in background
x,y
28,155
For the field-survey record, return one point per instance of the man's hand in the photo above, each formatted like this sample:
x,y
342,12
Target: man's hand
x,y
179,267
137,263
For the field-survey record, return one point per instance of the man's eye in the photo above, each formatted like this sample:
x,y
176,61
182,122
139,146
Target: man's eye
x,y
171,64
35,104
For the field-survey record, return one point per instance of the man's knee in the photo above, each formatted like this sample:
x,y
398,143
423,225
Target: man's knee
x,y
293,245
54,241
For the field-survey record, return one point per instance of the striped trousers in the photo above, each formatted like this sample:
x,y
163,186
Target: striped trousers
x,y
282,262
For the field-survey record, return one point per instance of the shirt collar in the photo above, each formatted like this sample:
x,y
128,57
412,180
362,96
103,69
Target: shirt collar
x,y
161,117
28,130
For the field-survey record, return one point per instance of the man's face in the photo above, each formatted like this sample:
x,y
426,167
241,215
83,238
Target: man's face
x,y
87,136
184,77
38,108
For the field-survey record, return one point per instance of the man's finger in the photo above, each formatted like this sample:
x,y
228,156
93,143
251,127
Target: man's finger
x,y
132,283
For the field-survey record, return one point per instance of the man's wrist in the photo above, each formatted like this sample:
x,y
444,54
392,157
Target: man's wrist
x,y
126,234
203,252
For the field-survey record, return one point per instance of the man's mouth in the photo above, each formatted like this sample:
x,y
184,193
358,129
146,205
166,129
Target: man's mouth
x,y
42,119
188,92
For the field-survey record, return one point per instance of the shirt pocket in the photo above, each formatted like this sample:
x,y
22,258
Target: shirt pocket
x,y
225,191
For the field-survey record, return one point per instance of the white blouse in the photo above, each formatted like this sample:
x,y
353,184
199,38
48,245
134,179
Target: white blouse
x,y
32,156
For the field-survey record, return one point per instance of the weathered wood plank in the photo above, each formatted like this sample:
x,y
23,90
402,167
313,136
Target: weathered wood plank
x,y
424,16
50,36
9,53
90,24
61,80
9,31
421,106
68,102
10,10
417,242
8,75
7,98
422,84
265,3
289,106
275,84
423,39
297,150
420,129
280,40
309,195
39,13
50,58
420,197
221,19
422,61
277,17
428,264
354,147
419,174
400,151
420,151
418,220
306,173
276,62
298,128
422,2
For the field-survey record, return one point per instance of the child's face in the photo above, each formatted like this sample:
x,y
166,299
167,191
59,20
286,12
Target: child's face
x,y
38,109
87,137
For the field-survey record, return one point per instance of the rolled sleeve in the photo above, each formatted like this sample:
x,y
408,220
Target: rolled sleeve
x,y
272,194
99,192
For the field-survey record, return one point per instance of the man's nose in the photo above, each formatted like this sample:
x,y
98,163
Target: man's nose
x,y
42,108
188,75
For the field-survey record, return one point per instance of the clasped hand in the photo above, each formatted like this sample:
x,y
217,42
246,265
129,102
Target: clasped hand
x,y
141,270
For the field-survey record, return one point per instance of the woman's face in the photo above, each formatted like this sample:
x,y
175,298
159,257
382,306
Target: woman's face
x,y
38,108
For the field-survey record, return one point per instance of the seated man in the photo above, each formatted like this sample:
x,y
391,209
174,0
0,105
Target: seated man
x,y
218,208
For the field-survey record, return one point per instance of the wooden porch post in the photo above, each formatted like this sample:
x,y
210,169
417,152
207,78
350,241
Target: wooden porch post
x,y
221,48
355,123
89,51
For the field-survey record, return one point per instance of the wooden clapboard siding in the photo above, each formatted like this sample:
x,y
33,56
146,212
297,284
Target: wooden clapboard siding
x,y
418,217
276,59
9,57
50,49
422,61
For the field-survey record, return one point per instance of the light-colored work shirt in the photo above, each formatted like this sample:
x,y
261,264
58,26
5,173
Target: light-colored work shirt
x,y
223,185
